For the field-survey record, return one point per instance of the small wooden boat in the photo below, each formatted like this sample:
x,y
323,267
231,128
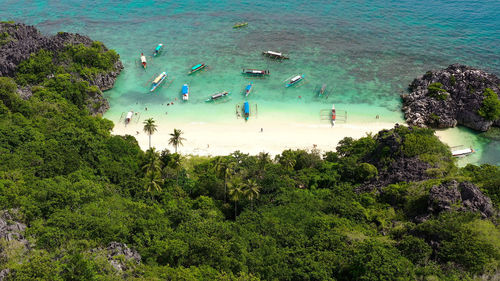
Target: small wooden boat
x,y
197,67
240,24
130,114
218,96
322,91
294,80
158,80
158,49
462,152
143,60
246,110
334,115
248,89
185,92
275,55
255,72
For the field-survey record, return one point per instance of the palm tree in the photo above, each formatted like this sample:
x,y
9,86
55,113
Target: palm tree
x,y
252,190
153,181
225,169
175,163
176,139
236,192
149,128
153,162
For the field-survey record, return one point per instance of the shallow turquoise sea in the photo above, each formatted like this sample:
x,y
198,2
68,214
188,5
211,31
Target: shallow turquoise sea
x,y
367,52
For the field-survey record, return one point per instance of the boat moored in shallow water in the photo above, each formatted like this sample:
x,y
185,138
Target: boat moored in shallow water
x,y
197,67
462,152
334,115
218,96
255,72
240,24
275,55
294,80
130,114
246,110
158,80
185,92
158,49
248,89
143,60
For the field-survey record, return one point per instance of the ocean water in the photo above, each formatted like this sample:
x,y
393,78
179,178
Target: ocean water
x,y
367,52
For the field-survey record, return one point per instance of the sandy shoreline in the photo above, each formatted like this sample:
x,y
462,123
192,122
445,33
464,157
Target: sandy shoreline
x,y
203,138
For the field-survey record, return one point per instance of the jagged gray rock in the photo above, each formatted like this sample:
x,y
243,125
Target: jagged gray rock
x,y
11,229
464,86
116,249
25,40
463,196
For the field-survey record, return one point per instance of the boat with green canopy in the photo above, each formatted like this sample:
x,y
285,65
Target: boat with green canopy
x,y
197,68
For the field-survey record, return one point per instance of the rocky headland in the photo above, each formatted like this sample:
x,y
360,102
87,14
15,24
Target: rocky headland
x,y
453,96
19,41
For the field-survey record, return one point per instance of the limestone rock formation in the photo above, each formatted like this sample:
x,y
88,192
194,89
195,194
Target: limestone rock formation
x,y
457,104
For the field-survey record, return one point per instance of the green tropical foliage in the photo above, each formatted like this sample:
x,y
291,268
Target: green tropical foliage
x,y
490,109
299,216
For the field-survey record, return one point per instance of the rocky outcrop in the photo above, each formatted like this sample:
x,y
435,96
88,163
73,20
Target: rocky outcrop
x,y
25,40
10,229
459,103
120,256
463,196
401,169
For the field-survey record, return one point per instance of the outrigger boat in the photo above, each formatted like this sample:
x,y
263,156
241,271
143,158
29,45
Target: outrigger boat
x,y
197,67
143,60
185,92
246,110
248,89
158,80
294,80
275,55
322,90
462,152
158,49
218,96
240,24
129,117
334,115
255,72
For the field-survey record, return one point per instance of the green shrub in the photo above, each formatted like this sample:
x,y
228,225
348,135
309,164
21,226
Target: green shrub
x,y
453,80
435,90
490,109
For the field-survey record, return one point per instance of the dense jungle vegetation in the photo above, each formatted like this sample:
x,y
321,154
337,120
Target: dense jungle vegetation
x,y
299,216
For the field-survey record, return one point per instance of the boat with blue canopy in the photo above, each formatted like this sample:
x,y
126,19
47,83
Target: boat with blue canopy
x,y
197,67
248,89
158,80
246,110
158,49
185,92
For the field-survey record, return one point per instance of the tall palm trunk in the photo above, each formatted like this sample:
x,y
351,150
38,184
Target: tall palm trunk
x,y
149,141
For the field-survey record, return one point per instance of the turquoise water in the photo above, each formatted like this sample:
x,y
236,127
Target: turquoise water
x,y
366,51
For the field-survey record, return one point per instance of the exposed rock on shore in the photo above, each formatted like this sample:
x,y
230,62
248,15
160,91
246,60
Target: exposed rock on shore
x,y
23,40
456,100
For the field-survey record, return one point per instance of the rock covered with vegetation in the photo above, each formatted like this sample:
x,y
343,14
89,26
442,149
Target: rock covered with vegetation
x,y
457,95
52,62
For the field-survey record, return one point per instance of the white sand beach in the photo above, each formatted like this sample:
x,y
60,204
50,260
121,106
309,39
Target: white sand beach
x,y
224,138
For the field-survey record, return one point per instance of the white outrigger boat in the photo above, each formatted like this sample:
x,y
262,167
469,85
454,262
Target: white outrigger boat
x,y
294,80
143,61
218,96
275,55
462,152
185,92
130,114
158,80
